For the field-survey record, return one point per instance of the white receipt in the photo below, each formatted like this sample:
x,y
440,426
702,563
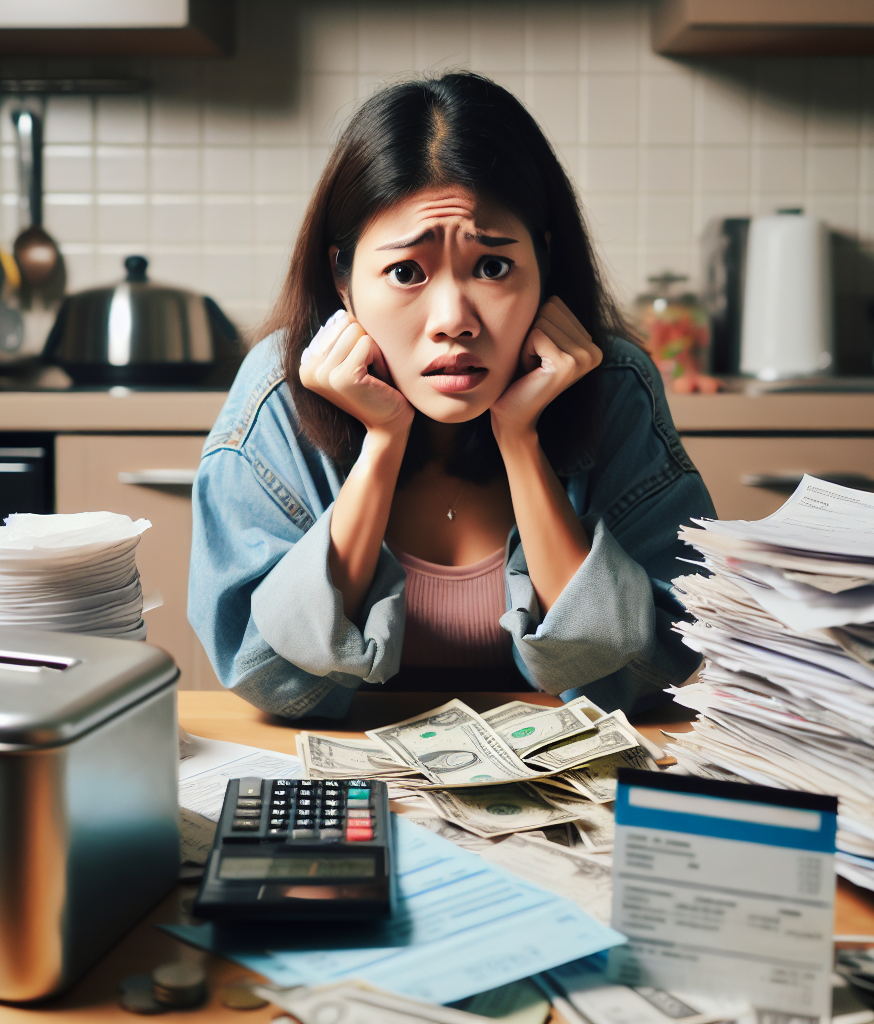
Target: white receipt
x,y
739,903
203,779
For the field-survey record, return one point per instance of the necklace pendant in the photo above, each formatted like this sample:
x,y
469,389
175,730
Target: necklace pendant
x,y
450,515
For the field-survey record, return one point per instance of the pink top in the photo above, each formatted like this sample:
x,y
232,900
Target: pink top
x,y
453,612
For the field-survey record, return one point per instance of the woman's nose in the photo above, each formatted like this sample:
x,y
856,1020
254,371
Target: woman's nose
x,y
452,314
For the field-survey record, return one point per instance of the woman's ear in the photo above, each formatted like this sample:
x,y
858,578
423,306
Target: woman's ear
x,y
341,278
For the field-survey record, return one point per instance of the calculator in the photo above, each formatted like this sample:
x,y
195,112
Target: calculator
x,y
300,849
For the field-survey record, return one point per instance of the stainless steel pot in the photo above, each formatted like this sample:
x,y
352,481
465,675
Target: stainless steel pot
x,y
140,333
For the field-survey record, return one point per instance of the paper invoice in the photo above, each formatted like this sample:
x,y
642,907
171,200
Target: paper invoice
x,y
725,889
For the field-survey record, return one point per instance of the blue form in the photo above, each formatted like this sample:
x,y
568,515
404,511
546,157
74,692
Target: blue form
x,y
462,926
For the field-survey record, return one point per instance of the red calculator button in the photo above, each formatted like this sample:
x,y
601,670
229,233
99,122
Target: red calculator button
x,y
358,834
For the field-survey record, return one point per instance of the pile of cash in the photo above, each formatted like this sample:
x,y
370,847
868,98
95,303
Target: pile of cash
x,y
517,768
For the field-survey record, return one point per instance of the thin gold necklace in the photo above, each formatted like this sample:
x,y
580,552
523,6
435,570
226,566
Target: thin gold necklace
x,y
450,511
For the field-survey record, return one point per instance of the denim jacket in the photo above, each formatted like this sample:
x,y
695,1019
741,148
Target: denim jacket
x,y
262,601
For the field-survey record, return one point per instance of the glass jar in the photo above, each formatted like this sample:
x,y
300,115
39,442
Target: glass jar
x,y
675,329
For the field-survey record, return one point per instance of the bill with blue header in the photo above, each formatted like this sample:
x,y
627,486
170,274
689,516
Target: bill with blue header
x,y
727,889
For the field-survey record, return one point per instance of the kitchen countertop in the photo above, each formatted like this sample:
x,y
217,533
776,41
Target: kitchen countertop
x,y
125,411
122,411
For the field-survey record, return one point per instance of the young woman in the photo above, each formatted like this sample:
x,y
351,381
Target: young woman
x,y
466,473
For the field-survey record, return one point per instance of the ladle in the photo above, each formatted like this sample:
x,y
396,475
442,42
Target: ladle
x,y
35,251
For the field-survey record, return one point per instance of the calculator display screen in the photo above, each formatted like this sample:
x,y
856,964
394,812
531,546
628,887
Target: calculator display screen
x,y
258,868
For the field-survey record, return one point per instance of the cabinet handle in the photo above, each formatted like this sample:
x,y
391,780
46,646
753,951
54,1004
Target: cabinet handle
x,y
159,478
789,481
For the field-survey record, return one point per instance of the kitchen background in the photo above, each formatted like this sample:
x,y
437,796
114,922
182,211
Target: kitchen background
x,y
208,170
208,173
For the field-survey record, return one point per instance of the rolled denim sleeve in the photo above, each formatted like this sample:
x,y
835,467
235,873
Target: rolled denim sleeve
x,y
602,619
299,612
262,602
609,635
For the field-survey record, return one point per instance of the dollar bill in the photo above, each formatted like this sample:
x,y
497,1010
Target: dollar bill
x,y
597,779
526,732
452,746
496,810
610,738
596,826
326,757
573,874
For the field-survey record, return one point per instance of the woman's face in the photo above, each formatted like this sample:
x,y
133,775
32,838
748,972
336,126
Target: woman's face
x,y
448,286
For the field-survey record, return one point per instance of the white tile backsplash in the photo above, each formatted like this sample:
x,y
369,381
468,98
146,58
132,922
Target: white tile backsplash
x,y
66,169
122,218
209,173
175,168
227,169
69,119
175,218
612,109
122,119
666,109
667,169
122,168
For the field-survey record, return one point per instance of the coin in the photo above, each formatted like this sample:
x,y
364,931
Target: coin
x,y
179,985
238,996
137,997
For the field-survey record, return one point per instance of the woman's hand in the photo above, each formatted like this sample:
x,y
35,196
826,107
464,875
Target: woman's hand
x,y
336,365
557,352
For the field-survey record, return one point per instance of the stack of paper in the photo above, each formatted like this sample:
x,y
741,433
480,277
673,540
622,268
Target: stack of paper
x,y
517,768
786,623
72,574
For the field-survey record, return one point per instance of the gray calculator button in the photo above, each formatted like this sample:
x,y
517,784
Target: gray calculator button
x,y
248,801
330,833
250,787
245,825
247,812
303,833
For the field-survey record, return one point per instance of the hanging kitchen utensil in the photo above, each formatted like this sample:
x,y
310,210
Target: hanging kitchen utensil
x,y
42,267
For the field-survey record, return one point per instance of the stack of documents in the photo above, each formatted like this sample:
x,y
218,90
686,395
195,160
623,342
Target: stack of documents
x,y
786,624
72,574
517,768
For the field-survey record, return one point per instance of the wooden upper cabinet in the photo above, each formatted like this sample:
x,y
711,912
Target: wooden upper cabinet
x,y
763,27
136,28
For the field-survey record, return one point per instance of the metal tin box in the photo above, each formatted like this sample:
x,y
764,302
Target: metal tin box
x,y
89,836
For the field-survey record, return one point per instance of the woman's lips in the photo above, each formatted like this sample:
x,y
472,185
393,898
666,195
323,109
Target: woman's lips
x,y
450,382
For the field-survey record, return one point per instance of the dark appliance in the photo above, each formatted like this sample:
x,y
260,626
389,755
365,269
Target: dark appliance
x,y
26,473
725,253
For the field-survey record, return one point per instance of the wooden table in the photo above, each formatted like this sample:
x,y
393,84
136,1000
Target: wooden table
x,y
226,717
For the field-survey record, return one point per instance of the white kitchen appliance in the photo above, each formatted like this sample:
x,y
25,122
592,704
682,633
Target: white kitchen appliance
x,y
787,314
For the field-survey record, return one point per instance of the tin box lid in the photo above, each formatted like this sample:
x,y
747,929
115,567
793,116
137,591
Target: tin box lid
x,y
57,686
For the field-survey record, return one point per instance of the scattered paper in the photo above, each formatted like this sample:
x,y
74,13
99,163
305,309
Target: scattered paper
x,y
462,926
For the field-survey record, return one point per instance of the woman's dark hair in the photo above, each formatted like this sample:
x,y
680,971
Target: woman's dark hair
x,y
459,129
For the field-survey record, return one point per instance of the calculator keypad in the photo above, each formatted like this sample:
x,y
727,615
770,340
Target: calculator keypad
x,y
304,809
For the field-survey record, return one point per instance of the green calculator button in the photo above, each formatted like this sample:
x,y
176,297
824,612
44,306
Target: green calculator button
x,y
358,793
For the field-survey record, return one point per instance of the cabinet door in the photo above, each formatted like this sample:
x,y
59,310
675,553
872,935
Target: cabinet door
x,y
743,474
87,479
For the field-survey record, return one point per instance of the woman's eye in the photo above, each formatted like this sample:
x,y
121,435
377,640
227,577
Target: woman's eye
x,y
405,273
493,268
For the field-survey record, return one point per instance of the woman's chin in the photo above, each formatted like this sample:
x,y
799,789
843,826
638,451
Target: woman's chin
x,y
450,408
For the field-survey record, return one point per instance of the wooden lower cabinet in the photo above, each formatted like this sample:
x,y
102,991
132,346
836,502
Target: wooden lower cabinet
x,y
736,469
87,480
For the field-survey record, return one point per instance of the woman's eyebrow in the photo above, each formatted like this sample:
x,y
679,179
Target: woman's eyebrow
x,y
408,243
428,236
490,240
